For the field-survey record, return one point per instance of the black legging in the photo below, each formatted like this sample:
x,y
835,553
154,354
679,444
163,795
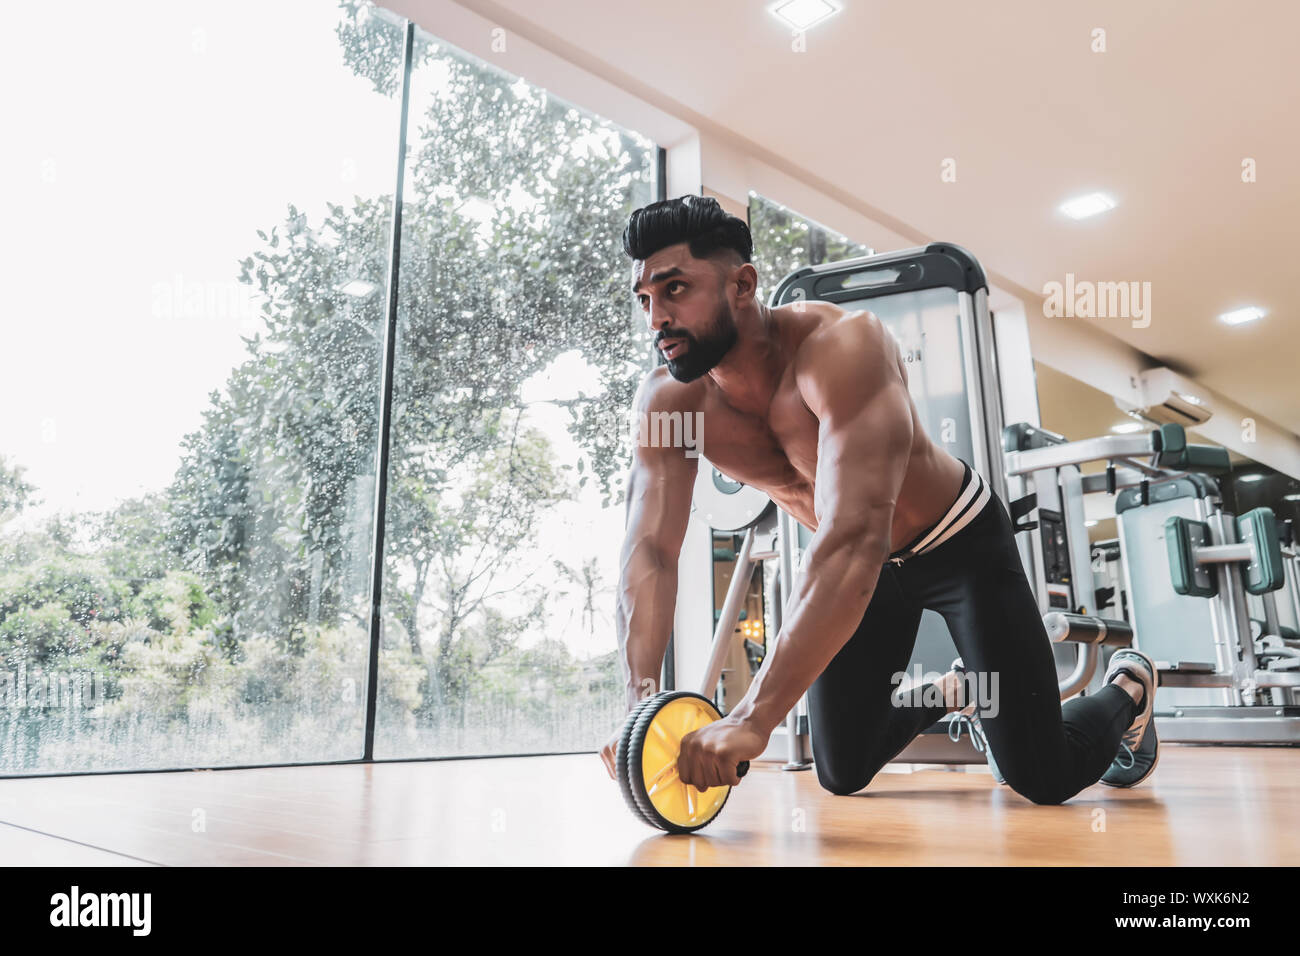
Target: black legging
x,y
1046,750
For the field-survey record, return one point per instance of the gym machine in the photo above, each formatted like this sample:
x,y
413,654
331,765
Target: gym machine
x,y
1224,678
1187,570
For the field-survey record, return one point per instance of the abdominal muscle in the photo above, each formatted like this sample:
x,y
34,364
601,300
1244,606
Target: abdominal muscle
x,y
930,487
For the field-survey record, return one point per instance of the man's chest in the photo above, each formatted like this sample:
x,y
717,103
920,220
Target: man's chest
x,y
776,452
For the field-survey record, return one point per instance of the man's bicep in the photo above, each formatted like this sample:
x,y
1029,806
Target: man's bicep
x,y
864,435
861,463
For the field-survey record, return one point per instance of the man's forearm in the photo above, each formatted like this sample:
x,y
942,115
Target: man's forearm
x,y
840,576
647,597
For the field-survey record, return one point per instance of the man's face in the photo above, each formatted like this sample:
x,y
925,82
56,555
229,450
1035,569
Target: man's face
x,y
685,304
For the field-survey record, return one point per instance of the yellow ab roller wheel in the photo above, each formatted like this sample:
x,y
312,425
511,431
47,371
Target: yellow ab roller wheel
x,y
646,763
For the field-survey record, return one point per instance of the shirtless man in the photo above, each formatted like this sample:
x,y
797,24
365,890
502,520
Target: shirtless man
x,y
810,404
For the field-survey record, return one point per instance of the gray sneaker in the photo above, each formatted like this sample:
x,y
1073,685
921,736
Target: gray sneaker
x,y
1139,748
979,740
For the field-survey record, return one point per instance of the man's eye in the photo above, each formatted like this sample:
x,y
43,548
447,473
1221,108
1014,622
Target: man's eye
x,y
672,286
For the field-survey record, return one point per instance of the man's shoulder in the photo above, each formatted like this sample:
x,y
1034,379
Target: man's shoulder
x,y
849,358
660,392
842,335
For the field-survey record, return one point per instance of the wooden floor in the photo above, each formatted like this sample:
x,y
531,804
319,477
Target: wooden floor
x,y
1203,806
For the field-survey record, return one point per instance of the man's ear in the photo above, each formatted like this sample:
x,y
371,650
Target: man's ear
x,y
746,279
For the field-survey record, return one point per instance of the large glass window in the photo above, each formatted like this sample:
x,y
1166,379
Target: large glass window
x,y
189,400
785,241
518,356
196,250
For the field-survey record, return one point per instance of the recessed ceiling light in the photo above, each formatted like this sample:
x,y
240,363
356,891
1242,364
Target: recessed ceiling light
x,y
1238,316
802,14
1127,428
1291,497
1081,207
1251,478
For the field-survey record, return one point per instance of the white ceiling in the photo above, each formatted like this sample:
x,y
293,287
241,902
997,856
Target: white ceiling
x,y
887,89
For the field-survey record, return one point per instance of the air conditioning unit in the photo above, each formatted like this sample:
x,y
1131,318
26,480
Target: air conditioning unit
x,y
1165,397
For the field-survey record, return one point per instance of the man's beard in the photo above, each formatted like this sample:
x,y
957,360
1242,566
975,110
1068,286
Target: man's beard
x,y
703,354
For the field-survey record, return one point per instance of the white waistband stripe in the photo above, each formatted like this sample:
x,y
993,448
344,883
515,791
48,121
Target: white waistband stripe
x,y
973,488
981,499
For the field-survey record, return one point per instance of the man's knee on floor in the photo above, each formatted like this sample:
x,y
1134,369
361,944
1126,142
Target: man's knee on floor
x,y
841,778
1045,793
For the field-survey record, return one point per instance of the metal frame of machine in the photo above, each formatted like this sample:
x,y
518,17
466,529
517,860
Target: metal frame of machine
x,y
1255,708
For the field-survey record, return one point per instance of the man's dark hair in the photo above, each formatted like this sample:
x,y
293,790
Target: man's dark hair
x,y
697,220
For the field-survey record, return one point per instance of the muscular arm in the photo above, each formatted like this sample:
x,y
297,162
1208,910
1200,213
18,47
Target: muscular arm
x,y
659,490
851,382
